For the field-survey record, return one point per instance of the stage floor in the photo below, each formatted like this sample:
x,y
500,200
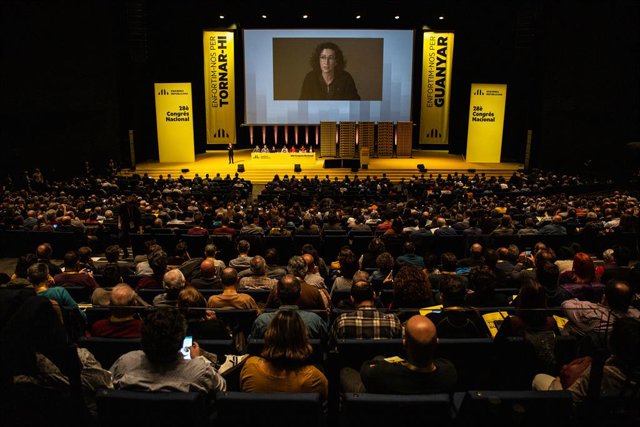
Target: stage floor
x,y
262,171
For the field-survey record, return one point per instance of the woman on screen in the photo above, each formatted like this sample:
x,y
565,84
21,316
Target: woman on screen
x,y
328,80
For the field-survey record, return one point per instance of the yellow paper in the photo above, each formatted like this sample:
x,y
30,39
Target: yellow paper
x,y
490,320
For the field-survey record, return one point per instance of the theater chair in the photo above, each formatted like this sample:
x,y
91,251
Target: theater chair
x,y
514,408
269,409
368,409
108,350
140,408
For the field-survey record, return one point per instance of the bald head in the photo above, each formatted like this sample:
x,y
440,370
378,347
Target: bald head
x,y
420,340
476,250
308,259
207,268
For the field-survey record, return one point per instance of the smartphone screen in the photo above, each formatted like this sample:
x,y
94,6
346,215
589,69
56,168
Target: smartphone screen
x,y
186,344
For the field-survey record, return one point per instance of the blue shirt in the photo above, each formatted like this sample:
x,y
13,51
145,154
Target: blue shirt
x,y
316,327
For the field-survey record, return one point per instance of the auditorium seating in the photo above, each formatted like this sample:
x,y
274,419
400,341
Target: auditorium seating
x,y
135,408
269,409
515,408
367,409
108,350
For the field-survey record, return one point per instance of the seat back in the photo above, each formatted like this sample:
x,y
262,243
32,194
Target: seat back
x,y
269,409
515,408
139,408
108,350
367,409
352,352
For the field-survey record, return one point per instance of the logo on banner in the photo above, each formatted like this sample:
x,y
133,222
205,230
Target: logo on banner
x,y
219,86
163,92
436,87
221,133
479,92
433,133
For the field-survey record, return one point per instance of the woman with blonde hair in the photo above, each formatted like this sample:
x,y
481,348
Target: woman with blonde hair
x,y
283,365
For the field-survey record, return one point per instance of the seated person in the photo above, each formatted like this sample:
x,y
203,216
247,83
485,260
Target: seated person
x,y
256,149
624,344
73,275
160,365
303,149
420,373
284,149
230,298
201,323
172,282
283,364
122,323
265,149
288,290
293,149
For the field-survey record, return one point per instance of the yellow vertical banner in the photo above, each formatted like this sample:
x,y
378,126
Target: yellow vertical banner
x,y
486,122
174,122
220,88
437,66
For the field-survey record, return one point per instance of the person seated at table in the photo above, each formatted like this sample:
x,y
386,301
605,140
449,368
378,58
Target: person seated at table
x,y
257,149
284,149
265,149
293,149
303,149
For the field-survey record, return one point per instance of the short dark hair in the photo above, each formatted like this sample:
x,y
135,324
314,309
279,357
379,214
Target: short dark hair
x,y
547,274
23,263
243,246
112,253
163,331
452,290
70,260
361,291
448,261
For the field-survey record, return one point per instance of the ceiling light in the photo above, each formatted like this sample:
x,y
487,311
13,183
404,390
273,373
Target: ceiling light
x,y
441,18
221,16
397,17
264,16
357,16
305,16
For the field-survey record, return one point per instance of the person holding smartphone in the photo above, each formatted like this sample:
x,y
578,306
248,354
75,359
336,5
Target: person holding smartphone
x,y
161,366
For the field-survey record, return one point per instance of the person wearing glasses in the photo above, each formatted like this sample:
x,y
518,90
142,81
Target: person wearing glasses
x,y
328,79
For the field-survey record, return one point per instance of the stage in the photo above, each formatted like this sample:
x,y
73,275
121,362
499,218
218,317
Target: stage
x,y
262,170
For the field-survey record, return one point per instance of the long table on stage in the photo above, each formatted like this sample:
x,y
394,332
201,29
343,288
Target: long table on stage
x,y
284,157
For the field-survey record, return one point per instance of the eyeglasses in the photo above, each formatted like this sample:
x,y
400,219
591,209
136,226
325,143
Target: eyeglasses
x,y
327,58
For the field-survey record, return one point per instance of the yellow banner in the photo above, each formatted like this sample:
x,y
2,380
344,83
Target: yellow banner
x,y
437,65
220,88
486,121
174,122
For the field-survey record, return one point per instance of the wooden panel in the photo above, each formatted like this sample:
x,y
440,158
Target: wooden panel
x,y
347,139
328,139
385,139
405,136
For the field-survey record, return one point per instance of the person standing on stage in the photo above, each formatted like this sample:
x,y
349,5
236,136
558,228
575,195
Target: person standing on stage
x,y
230,151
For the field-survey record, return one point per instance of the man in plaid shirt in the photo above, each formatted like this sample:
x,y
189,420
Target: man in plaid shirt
x,y
366,322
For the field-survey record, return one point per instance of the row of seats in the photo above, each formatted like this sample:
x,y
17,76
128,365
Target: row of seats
x,y
329,245
480,362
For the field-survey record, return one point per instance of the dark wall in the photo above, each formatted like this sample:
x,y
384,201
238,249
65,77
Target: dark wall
x,y
59,98
590,101
78,75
